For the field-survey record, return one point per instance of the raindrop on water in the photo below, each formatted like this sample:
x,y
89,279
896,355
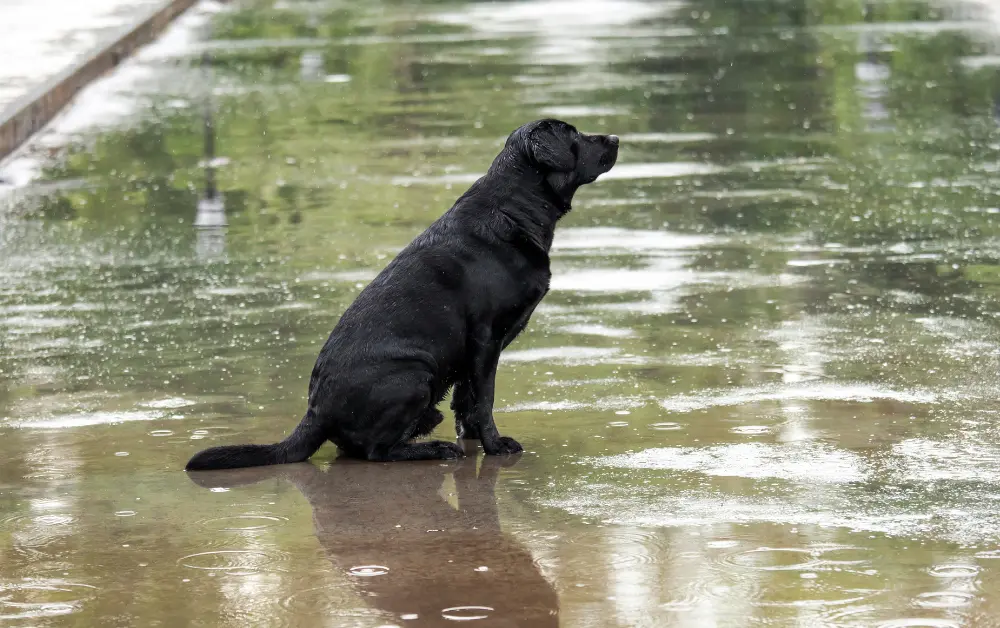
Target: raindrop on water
x,y
367,571
954,571
466,613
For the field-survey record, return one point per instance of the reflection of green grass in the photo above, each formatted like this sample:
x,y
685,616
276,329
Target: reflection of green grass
x,y
309,195
986,275
311,157
310,164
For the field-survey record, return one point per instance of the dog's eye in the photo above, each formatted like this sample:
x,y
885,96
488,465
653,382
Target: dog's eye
x,y
575,149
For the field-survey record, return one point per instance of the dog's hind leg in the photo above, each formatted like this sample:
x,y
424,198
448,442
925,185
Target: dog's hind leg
x,y
404,411
430,419
430,450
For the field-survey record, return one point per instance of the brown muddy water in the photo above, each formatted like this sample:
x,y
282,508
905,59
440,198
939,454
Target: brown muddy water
x,y
762,392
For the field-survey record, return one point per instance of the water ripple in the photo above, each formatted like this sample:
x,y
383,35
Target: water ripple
x,y
240,562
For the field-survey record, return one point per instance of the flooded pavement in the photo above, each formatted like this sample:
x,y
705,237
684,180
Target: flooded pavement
x,y
43,37
763,390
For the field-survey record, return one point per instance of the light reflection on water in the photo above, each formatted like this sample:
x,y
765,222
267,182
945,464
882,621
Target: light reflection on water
x,y
762,391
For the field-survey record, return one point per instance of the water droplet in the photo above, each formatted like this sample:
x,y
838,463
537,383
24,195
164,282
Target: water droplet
x,y
367,571
954,571
751,429
668,425
36,598
721,544
466,613
944,599
773,558
237,562
238,523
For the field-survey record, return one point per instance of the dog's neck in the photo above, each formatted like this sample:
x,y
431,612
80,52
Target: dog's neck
x,y
562,187
553,191
526,203
539,204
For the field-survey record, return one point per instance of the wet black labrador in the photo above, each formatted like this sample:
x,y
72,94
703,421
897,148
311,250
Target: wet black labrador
x,y
440,314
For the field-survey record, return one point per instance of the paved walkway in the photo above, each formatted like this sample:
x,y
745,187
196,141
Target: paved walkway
x,y
110,100
40,38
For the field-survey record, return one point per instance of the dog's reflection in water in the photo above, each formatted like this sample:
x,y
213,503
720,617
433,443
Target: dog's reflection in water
x,y
393,529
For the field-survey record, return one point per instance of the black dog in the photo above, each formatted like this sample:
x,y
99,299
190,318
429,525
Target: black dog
x,y
440,314
438,557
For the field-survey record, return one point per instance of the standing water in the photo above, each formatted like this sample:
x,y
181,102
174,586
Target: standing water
x,y
762,391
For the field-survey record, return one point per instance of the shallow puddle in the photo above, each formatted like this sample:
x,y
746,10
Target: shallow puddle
x,y
763,390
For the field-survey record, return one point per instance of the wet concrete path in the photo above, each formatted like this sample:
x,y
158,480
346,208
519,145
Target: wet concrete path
x,y
763,390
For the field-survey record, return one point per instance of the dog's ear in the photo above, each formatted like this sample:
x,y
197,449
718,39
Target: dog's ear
x,y
551,147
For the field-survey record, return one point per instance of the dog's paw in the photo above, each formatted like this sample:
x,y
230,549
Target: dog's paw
x,y
450,451
503,446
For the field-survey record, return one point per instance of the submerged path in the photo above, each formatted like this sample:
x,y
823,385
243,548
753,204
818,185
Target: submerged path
x,y
761,392
52,49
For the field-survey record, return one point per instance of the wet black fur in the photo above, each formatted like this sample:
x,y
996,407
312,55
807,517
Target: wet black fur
x,y
440,314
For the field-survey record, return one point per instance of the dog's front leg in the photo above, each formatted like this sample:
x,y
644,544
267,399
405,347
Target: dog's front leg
x,y
462,398
485,354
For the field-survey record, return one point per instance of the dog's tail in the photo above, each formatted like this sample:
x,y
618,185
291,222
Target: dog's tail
x,y
300,444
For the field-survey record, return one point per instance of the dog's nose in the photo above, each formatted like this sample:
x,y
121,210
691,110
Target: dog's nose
x,y
613,139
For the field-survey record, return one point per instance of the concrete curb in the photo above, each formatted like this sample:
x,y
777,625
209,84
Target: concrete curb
x,y
30,113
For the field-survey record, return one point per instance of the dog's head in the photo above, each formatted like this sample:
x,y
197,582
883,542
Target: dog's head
x,y
566,157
